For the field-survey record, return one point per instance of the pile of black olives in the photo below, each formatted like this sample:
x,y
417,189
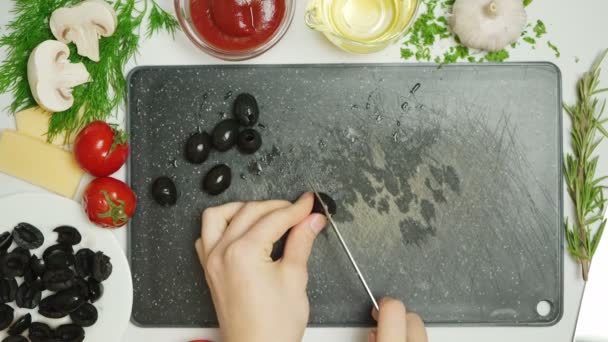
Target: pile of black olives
x,y
227,133
75,280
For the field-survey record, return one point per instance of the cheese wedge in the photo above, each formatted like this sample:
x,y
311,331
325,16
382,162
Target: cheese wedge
x,y
34,122
39,163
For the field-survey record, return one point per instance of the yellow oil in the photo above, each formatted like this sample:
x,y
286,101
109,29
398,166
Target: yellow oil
x,y
365,20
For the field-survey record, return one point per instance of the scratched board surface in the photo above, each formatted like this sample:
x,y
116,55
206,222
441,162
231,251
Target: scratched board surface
x,y
447,181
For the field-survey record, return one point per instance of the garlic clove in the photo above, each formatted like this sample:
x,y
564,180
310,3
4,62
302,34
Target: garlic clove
x,y
488,25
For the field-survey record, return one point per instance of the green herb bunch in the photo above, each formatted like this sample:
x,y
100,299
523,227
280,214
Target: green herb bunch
x,y
432,26
584,187
98,99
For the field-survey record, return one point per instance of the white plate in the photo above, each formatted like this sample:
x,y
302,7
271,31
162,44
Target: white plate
x,y
47,212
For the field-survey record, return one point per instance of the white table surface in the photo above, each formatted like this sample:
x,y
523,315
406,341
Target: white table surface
x,y
576,27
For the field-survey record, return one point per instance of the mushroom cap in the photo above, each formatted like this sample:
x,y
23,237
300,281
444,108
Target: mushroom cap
x,y
95,13
83,24
488,25
51,76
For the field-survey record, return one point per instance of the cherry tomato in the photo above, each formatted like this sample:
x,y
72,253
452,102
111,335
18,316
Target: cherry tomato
x,y
101,149
109,202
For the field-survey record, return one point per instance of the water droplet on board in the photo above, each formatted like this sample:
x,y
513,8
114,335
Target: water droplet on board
x,y
205,96
398,123
254,167
262,126
379,118
322,144
228,95
415,88
404,106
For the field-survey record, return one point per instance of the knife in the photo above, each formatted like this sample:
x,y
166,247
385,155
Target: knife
x,y
345,247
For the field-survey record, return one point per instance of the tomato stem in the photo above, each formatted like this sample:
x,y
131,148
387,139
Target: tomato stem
x,y
115,211
120,137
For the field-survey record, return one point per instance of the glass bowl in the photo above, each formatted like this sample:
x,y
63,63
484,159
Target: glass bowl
x,y
182,9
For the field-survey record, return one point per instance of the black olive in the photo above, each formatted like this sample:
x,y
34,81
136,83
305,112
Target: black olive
x,y
27,236
102,267
246,109
58,279
37,265
34,281
8,290
164,191
14,264
61,303
40,332
58,256
15,338
84,262
279,247
198,147
225,134
249,141
82,287
329,202
7,314
85,316
20,325
70,333
6,240
95,290
28,296
22,251
217,180
29,276
67,235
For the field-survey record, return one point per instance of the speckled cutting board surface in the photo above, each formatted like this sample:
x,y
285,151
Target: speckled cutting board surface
x,y
447,180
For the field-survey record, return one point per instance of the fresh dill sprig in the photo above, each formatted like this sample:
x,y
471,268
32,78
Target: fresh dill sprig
x,y
160,20
98,99
585,189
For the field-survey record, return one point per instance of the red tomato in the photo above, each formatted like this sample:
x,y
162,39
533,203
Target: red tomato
x,y
109,202
101,149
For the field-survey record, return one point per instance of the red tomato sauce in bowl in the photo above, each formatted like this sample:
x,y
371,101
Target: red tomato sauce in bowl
x,y
237,25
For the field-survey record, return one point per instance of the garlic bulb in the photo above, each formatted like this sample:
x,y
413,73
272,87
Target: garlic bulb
x,y
488,25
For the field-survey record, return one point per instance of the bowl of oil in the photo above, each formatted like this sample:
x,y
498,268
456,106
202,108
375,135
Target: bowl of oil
x,y
361,26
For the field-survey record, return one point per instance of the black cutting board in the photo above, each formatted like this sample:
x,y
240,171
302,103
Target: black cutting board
x,y
447,179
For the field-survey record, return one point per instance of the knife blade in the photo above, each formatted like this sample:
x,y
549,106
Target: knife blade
x,y
345,247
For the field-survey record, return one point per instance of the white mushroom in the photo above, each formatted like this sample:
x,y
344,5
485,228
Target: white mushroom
x,y
52,76
488,25
84,24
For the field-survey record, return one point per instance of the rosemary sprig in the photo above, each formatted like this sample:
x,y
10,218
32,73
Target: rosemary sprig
x,y
96,100
585,189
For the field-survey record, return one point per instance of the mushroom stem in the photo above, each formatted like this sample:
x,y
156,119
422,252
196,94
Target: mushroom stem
x,y
491,9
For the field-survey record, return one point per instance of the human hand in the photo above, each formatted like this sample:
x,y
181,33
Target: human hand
x,y
256,299
396,325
